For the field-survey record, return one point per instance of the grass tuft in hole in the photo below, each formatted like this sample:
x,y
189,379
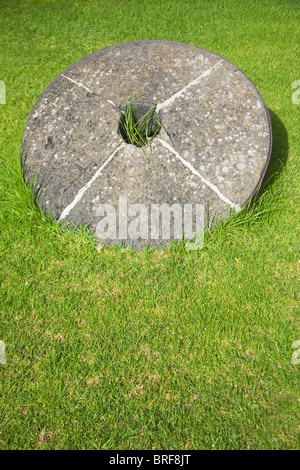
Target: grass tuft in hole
x,y
139,123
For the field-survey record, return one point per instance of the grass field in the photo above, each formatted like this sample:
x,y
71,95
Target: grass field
x,y
172,349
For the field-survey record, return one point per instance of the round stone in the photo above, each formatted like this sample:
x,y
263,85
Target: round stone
x,y
208,142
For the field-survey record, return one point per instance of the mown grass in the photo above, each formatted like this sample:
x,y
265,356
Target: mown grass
x,y
172,349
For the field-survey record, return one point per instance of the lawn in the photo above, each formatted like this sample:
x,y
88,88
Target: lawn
x,y
108,348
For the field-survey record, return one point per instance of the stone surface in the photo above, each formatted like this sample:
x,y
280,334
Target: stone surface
x,y
69,133
152,69
142,179
213,149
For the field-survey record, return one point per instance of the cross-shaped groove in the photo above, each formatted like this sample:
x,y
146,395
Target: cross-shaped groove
x,y
81,85
204,180
166,103
81,192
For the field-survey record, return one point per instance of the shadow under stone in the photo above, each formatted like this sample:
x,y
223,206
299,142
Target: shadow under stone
x,y
280,149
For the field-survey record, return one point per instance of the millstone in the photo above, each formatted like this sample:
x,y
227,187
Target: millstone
x,y
213,148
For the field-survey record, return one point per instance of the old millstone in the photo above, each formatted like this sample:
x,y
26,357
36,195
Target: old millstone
x,y
213,147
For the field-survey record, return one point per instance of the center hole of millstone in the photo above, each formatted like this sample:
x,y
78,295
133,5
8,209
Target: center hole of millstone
x,y
138,123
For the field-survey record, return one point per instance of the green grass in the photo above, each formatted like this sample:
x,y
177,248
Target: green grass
x,y
173,349
135,130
